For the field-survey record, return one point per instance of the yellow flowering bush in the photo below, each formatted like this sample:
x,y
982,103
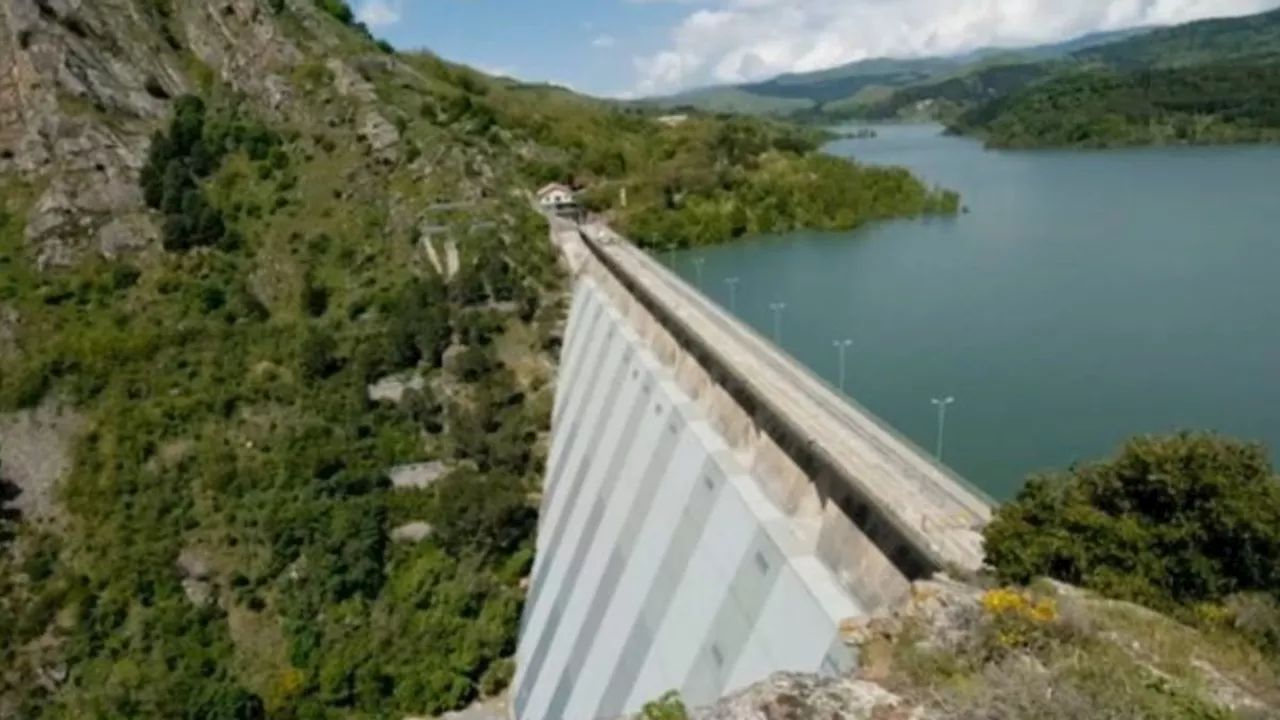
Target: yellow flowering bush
x,y
1017,617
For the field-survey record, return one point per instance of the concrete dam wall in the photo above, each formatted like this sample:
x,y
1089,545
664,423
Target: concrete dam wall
x,y
711,511
661,564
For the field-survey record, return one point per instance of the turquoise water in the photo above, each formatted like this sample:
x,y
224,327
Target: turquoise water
x,y
1086,297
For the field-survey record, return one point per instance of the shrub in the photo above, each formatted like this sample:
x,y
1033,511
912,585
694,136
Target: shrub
x,y
488,517
667,707
497,677
338,9
1168,522
317,355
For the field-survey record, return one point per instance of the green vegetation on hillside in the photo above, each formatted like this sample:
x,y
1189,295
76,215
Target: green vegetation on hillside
x,y
706,182
1193,105
885,88
1210,81
236,428
227,542
1188,525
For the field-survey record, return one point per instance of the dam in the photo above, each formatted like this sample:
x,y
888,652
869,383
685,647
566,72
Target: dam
x,y
711,511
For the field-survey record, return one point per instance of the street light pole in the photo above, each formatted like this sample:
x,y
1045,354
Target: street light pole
x,y
942,420
777,309
697,267
841,346
732,282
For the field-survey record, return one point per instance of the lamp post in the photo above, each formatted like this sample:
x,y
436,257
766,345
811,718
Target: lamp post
x,y
841,346
777,309
697,268
942,420
732,282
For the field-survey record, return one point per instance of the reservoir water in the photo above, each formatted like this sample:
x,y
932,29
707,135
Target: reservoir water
x,y
1087,296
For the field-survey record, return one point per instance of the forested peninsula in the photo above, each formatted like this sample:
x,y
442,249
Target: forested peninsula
x,y
1199,105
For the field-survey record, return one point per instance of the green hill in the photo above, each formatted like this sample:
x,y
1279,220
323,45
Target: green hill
x,y
1204,104
1253,39
837,90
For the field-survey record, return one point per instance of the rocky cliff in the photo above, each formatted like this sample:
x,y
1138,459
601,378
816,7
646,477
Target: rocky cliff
x,y
84,84
954,651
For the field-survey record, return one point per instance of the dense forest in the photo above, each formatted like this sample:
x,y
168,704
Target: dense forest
x,y
1192,105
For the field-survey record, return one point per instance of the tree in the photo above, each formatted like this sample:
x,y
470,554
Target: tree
x,y
1169,521
9,516
317,355
485,516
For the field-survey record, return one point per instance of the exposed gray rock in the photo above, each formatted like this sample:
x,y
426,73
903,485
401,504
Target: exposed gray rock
x,y
244,45
411,532
418,475
193,564
58,87
796,696
392,388
948,608
35,453
381,135
348,82
125,234
198,592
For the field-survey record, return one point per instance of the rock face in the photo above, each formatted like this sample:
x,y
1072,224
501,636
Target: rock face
x,y
85,83
64,70
951,650
795,696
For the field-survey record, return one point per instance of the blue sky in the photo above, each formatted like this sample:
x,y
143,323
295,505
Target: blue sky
x,y
645,47
588,45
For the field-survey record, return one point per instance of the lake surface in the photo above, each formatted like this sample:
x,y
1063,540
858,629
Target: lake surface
x,y
1087,297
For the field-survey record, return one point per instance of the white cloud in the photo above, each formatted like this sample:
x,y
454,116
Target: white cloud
x,y
741,40
604,41
377,13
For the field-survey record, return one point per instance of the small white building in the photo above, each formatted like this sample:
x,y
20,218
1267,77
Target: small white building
x,y
554,194
557,198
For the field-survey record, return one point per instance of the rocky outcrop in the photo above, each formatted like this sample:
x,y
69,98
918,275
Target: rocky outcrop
x,y
78,100
955,650
243,44
85,83
796,696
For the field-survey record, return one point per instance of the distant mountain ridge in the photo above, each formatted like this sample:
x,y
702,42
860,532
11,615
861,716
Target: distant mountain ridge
x,y
1251,39
797,92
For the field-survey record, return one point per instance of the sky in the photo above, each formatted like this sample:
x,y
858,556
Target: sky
x,y
630,48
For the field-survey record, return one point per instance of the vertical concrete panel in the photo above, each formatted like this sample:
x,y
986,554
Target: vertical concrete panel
x,y
650,434
551,565
608,418
754,574
576,384
796,631
753,663
619,650
701,587
601,567
586,306
625,405
585,423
